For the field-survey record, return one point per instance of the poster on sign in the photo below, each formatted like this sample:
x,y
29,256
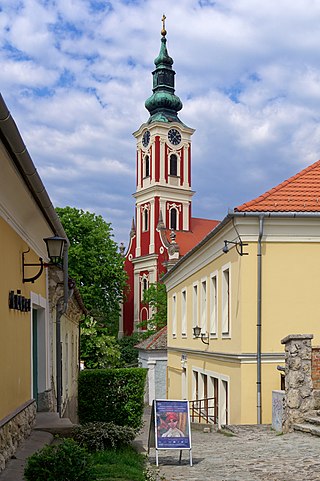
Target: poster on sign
x,y
171,426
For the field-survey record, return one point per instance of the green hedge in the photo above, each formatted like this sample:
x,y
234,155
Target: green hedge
x,y
112,395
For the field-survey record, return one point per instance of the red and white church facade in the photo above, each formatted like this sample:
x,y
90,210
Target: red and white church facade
x,y
163,229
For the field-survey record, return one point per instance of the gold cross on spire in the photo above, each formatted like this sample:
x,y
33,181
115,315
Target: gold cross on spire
x,y
163,31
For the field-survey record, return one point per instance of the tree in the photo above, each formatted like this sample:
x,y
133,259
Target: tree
x,y
95,264
98,350
156,297
129,354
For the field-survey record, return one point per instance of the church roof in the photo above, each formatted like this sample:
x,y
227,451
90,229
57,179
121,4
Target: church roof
x,y
300,193
156,341
199,228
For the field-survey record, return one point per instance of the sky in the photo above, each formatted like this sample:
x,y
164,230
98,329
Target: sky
x,y
75,75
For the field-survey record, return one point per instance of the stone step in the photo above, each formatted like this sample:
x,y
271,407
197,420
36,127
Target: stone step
x,y
312,420
307,428
52,423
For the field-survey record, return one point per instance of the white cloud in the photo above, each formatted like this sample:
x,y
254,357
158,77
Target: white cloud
x,y
76,77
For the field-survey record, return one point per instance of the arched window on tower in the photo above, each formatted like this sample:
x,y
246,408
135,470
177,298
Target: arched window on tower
x,y
145,219
144,285
147,166
173,219
173,165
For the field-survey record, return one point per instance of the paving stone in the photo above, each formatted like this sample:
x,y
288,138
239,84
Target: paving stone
x,y
253,453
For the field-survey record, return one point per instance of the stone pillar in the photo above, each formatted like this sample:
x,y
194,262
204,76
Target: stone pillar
x,y
316,367
298,382
152,380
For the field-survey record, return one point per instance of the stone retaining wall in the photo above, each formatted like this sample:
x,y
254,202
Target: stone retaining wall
x,y
14,429
298,381
315,365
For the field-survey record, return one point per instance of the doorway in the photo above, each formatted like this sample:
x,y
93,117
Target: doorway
x,y
35,374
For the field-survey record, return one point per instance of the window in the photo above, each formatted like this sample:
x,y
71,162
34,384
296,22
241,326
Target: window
x,y
204,305
195,305
226,315
147,165
173,165
184,312
144,285
173,219
174,315
213,304
145,221
195,385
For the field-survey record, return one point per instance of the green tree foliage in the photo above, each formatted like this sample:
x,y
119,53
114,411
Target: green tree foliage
x,y
95,264
98,350
156,297
129,354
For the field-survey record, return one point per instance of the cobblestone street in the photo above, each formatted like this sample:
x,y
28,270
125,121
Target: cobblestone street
x,y
253,453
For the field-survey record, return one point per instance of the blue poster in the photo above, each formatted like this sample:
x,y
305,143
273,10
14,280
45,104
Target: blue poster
x,y
172,424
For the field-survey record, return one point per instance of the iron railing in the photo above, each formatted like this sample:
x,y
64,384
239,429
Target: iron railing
x,y
204,410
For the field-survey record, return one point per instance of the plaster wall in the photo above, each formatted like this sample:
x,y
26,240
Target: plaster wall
x,y
15,326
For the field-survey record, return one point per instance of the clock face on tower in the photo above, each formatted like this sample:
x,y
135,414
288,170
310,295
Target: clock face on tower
x,y
174,136
146,138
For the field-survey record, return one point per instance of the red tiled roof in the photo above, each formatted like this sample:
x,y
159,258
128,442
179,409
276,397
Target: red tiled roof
x,y
199,228
300,193
155,341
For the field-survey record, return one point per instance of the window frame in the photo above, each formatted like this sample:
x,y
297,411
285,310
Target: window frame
x,y
173,157
213,304
146,165
174,315
195,304
204,305
226,321
184,312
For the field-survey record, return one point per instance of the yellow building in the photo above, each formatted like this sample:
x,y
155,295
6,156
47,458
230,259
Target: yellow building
x,y
31,305
253,280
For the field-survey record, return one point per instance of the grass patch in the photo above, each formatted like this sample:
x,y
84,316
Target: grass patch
x,y
119,465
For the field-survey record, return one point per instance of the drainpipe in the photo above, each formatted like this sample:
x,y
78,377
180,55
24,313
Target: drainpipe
x,y
61,308
259,262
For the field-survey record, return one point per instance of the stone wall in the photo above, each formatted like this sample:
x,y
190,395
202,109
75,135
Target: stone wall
x,y
14,429
298,381
315,364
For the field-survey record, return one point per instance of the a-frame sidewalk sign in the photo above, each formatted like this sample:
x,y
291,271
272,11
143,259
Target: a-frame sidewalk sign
x,y
170,427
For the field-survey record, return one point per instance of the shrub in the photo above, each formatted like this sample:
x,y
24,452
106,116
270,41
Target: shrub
x,y
98,436
66,461
112,395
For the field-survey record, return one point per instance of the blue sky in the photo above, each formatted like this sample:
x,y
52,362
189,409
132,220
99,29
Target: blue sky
x,y
75,75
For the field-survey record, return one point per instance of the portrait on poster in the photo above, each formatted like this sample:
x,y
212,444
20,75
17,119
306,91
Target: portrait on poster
x,y
172,424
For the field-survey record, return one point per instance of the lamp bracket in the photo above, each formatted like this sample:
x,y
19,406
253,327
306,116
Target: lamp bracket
x,y
203,336
41,265
239,247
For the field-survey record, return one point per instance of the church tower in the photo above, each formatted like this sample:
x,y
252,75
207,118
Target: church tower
x,y
163,191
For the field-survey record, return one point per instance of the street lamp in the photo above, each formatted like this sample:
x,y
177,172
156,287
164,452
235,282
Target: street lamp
x,y
203,336
55,246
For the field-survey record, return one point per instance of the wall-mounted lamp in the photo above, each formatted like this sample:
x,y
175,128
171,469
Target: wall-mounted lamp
x,y
55,246
197,333
239,247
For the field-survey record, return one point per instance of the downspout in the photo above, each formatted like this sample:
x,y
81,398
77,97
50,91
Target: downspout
x,y
259,290
61,308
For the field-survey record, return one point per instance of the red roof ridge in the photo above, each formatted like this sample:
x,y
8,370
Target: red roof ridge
x,y
156,336
203,218
269,192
